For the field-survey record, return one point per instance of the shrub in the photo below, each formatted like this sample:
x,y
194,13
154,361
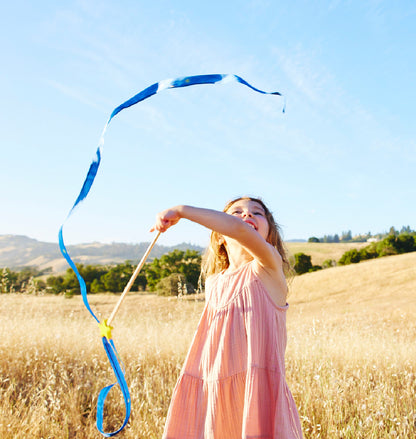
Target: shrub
x,y
368,252
174,285
405,243
315,268
302,263
328,263
350,257
393,244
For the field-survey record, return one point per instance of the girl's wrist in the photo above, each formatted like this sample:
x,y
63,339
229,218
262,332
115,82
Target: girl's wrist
x,y
184,211
180,209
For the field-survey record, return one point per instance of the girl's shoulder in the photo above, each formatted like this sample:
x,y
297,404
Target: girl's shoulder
x,y
274,282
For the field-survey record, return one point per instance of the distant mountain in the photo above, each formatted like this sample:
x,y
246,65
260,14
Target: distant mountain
x,y
17,251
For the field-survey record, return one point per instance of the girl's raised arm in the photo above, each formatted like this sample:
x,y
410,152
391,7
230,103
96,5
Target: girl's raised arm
x,y
226,224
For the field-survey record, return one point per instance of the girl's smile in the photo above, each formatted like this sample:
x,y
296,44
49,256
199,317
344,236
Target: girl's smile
x,y
251,213
251,222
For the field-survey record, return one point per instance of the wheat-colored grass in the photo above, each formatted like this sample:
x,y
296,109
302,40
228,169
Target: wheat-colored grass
x,y
351,358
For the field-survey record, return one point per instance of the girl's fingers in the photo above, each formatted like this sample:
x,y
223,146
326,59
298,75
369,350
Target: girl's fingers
x,y
161,226
164,220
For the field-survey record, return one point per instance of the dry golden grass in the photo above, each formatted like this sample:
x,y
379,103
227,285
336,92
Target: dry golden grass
x,y
351,359
352,352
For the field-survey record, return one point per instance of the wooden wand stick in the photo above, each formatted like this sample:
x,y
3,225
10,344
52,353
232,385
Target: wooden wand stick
x,y
132,279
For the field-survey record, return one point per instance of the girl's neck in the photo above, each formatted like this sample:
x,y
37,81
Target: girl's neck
x,y
237,257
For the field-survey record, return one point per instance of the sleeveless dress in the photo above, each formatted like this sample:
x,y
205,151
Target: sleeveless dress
x,y
232,384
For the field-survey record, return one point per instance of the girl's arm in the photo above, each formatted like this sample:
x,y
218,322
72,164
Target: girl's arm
x,y
227,225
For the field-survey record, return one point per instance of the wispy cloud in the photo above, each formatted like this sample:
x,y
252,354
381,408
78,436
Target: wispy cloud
x,y
301,68
76,94
352,126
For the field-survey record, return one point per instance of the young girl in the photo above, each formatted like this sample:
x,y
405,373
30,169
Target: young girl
x,y
233,384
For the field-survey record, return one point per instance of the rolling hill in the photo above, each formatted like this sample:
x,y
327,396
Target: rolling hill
x,y
383,285
20,251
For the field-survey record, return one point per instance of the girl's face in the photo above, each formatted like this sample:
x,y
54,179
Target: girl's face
x,y
252,213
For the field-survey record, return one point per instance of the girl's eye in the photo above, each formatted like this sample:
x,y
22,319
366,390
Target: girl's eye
x,y
259,213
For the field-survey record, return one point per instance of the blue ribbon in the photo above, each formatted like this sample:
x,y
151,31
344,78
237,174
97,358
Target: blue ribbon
x,y
112,355
86,187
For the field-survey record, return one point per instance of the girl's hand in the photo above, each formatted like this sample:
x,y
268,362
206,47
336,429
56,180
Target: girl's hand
x,y
166,219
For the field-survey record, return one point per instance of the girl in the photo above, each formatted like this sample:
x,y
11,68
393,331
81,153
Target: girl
x,y
233,384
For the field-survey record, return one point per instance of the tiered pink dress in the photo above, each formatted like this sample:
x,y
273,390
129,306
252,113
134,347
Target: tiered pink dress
x,y
233,384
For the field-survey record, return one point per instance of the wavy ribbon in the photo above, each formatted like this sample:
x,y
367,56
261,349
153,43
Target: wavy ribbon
x,y
89,180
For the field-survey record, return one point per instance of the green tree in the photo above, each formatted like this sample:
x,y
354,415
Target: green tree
x,y
302,263
92,272
405,243
173,285
368,252
186,263
350,257
387,247
392,231
23,277
392,244
97,286
55,284
68,283
313,239
154,274
141,282
190,267
346,236
116,278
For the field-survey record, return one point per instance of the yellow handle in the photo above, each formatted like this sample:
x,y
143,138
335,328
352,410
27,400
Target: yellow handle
x,y
105,329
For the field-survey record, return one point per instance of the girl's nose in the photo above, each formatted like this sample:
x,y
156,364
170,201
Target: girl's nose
x,y
246,213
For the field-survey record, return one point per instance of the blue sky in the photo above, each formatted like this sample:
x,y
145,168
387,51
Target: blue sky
x,y
342,157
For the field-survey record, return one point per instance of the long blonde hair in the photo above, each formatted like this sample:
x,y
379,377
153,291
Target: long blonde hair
x,y
216,259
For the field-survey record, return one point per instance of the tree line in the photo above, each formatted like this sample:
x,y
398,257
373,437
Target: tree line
x,y
174,273
177,272
347,236
394,243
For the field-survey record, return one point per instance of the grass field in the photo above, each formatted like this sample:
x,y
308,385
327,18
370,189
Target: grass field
x,y
351,358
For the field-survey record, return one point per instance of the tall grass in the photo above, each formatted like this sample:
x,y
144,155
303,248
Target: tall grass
x,y
354,378
351,358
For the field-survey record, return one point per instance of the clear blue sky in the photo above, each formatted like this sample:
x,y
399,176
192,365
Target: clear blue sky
x,y
342,157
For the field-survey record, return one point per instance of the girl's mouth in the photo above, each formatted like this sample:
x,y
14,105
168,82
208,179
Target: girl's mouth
x,y
251,223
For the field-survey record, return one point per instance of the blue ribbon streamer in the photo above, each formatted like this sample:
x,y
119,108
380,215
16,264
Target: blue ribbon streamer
x,y
112,355
86,187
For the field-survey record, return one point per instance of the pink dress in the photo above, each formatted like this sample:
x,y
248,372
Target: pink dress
x,y
233,384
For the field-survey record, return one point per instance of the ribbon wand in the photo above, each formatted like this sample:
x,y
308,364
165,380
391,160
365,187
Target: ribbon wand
x,y
132,279
110,349
88,182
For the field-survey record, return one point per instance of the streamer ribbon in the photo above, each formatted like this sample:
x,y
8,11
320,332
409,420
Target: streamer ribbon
x,y
108,343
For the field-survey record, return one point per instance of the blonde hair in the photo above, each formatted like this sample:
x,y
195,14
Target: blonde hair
x,y
216,259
